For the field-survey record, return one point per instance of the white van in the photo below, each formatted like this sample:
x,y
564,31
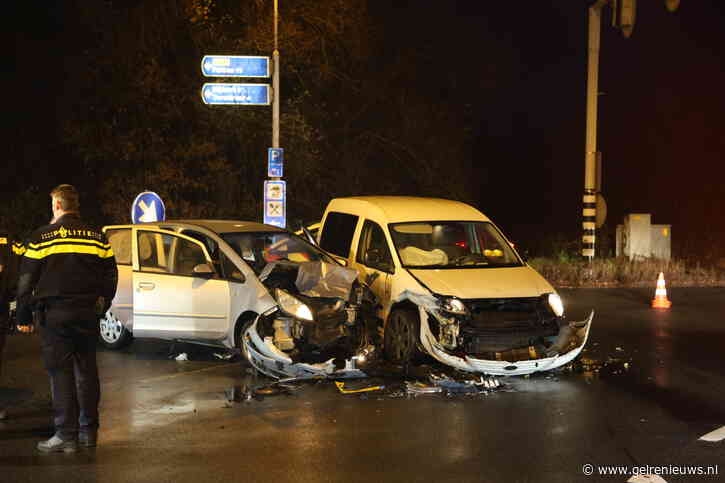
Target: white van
x,y
451,285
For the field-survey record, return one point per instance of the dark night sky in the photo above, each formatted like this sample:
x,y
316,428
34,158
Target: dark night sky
x,y
660,109
520,73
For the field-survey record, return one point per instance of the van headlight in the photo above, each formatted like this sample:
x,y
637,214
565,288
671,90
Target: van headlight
x,y
453,305
293,306
557,306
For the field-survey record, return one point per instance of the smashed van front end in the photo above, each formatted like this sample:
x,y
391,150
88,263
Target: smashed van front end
x,y
498,336
481,307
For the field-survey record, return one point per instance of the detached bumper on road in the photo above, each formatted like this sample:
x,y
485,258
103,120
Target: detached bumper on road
x,y
571,341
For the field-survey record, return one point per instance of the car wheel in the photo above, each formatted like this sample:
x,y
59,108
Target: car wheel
x,y
113,334
401,337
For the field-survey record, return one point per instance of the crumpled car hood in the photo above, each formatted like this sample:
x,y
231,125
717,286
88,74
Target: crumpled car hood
x,y
478,283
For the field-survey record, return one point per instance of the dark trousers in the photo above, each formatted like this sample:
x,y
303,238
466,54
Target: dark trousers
x,y
69,354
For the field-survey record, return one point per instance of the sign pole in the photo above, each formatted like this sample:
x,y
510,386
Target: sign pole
x,y
275,190
275,83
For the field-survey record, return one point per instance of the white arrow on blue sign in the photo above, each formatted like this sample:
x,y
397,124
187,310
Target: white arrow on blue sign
x,y
236,94
147,207
235,66
275,162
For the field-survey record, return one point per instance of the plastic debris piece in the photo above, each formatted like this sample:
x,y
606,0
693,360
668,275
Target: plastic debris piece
x,y
341,388
646,479
267,391
714,436
182,357
224,357
420,388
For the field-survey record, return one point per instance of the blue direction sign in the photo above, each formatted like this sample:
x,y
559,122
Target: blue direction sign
x,y
275,200
275,162
236,94
147,207
235,66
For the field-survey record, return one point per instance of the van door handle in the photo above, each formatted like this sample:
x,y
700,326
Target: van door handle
x,y
146,286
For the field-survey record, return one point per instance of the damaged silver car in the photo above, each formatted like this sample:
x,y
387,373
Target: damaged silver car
x,y
289,307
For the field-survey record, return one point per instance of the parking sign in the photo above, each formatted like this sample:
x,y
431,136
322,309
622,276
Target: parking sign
x,y
275,162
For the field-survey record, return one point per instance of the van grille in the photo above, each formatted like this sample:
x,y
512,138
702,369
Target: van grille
x,y
506,323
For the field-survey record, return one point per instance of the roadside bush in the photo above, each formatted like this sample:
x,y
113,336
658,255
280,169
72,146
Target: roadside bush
x,y
620,271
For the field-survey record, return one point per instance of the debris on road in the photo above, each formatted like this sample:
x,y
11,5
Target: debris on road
x,y
590,367
714,436
421,388
646,479
356,390
182,357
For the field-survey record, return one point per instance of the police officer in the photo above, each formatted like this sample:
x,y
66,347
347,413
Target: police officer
x,y
10,252
68,279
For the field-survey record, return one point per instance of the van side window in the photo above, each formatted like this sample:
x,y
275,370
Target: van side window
x,y
372,250
337,233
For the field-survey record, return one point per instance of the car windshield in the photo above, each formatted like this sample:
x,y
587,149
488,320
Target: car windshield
x,y
260,248
452,244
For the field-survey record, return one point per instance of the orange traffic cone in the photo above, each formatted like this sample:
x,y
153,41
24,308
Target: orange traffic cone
x,y
660,301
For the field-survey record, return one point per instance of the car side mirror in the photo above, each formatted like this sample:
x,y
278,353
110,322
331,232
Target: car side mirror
x,y
203,270
373,258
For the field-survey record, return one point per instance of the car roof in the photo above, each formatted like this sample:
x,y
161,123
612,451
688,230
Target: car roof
x,y
398,209
216,226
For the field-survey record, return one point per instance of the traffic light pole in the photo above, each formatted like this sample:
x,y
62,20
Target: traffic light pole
x,y
589,211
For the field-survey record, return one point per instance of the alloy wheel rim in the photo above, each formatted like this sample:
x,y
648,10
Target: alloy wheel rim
x,y
111,329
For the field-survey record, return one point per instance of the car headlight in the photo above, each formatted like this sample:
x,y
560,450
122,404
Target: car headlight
x,y
557,306
453,306
293,306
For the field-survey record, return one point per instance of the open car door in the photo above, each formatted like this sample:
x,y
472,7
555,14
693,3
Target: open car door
x,y
176,292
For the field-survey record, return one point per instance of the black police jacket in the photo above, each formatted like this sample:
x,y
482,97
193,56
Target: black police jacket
x,y
66,267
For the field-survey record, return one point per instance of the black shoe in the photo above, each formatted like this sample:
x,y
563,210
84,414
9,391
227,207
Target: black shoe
x,y
56,445
87,439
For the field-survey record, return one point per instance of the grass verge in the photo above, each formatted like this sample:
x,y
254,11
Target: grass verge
x,y
621,272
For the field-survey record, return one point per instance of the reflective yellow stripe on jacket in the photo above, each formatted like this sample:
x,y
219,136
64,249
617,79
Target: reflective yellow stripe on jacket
x,y
37,251
18,248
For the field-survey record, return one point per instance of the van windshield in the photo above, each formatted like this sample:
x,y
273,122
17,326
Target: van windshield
x,y
452,244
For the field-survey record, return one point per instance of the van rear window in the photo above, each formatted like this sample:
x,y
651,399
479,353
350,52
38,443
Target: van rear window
x,y
337,233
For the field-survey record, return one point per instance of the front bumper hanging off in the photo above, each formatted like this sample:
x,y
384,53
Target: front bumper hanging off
x,y
269,360
571,341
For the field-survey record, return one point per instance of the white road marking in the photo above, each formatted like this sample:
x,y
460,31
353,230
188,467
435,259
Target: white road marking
x,y
714,436
646,479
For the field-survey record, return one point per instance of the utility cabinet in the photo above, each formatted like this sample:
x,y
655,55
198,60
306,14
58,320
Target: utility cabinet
x,y
638,238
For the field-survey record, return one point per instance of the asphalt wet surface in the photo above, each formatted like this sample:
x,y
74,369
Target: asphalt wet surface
x,y
647,386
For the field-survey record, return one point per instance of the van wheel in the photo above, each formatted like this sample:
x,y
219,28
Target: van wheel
x,y
401,337
113,334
